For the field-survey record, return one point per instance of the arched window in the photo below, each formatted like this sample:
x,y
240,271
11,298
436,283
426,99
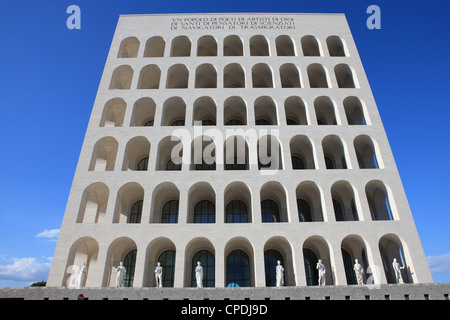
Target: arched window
x,y
149,77
142,165
311,273
177,77
181,47
143,112
130,264
270,212
334,154
325,111
309,202
233,76
365,152
235,111
289,76
170,212
285,47
338,213
271,258
207,261
344,201
348,266
135,213
259,46
174,112
310,46
344,76
236,212
262,76
204,112
295,110
121,78
335,46
317,76
167,260
379,202
204,212
238,269
155,47
269,153
265,111
236,153
129,48
232,46
113,113
104,155
354,111
206,46
206,76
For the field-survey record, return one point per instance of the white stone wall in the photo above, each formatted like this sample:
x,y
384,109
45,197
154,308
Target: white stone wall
x,y
94,227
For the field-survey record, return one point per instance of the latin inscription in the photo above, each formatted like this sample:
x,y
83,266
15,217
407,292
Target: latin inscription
x,y
233,23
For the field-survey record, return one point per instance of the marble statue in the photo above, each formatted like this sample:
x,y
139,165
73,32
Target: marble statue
x,y
397,271
158,275
359,271
81,276
199,275
280,274
321,267
121,270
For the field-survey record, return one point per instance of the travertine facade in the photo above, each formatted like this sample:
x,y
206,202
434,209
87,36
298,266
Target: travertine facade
x,y
296,164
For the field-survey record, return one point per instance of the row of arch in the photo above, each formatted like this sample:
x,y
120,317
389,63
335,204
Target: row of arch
x,y
237,152
181,46
241,262
173,112
167,204
233,76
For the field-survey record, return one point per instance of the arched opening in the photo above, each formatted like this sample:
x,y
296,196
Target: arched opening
x,y
365,152
174,112
129,203
113,113
203,154
236,153
345,77
143,113
354,111
155,47
165,202
259,46
104,155
233,76
391,247
325,111
317,76
93,203
200,250
302,155
295,111
232,46
335,46
285,46
333,151
237,203
239,263
262,76
278,249
265,111
205,76
380,202
121,78
316,248
289,76
136,154
170,154
129,48
235,112
149,77
309,202
310,46
206,46
123,250
177,77
273,203
269,153
181,47
160,250
353,248
84,250
344,202
202,203
204,112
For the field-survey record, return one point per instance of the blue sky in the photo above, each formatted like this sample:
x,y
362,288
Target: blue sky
x,y
49,80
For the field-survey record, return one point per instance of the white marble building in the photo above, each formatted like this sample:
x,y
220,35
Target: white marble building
x,y
174,167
